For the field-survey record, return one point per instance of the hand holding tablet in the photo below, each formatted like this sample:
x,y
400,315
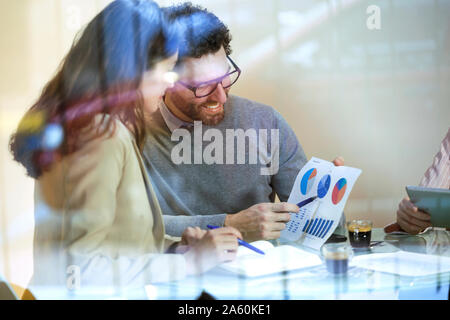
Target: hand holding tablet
x,y
433,201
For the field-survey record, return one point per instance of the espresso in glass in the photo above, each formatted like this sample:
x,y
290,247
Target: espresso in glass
x,y
359,233
337,262
336,256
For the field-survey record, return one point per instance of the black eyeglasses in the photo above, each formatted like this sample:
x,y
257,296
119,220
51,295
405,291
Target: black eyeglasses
x,y
206,88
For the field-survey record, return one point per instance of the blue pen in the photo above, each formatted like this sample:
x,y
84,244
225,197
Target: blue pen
x,y
305,202
241,242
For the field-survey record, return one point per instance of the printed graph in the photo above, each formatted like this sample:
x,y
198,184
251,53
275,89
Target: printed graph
x,y
324,185
339,191
318,227
297,220
308,181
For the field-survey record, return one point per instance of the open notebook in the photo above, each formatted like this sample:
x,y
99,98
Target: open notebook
x,y
275,259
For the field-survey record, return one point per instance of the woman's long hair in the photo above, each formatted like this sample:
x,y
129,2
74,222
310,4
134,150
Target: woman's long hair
x,y
100,75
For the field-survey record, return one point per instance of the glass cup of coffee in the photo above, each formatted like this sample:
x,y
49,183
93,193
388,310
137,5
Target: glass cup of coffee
x,y
359,233
337,257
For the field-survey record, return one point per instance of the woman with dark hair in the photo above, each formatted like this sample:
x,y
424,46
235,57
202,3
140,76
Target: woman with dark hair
x,y
97,219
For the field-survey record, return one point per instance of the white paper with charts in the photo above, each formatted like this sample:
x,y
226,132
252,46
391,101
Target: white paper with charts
x,y
316,221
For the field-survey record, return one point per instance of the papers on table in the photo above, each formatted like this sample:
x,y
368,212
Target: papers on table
x,y
403,263
316,221
275,259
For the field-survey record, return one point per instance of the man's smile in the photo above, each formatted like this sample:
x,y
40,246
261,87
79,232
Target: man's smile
x,y
212,108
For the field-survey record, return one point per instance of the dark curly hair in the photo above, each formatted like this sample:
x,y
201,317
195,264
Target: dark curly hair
x,y
202,31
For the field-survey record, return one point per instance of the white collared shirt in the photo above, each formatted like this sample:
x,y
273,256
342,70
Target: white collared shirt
x,y
171,120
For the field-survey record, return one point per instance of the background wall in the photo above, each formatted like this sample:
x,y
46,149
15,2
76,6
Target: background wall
x,y
377,97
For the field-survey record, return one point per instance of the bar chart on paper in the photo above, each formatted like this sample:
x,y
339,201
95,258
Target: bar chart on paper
x,y
304,223
318,227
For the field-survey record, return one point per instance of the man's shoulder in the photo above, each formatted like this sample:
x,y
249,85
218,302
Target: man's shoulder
x,y
253,111
240,102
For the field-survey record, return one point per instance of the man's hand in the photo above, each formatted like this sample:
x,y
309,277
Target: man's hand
x,y
338,161
410,218
262,221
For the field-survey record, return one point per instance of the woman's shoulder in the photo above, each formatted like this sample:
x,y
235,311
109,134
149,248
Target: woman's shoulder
x,y
112,125
107,127
107,134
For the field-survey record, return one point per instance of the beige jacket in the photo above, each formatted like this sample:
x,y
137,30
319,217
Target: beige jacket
x,y
98,221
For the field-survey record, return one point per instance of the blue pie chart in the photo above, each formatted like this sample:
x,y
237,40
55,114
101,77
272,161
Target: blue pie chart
x,y
308,181
324,186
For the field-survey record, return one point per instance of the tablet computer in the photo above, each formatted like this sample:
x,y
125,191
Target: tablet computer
x,y
434,201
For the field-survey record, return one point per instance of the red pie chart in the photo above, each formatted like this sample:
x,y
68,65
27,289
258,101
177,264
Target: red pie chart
x,y
339,191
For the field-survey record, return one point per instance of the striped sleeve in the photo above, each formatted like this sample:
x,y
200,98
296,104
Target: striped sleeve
x,y
438,174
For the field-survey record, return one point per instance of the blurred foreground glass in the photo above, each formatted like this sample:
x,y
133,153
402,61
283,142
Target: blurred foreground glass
x,y
359,233
337,257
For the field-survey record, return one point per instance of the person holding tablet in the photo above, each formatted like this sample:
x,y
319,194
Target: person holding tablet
x,y
409,217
